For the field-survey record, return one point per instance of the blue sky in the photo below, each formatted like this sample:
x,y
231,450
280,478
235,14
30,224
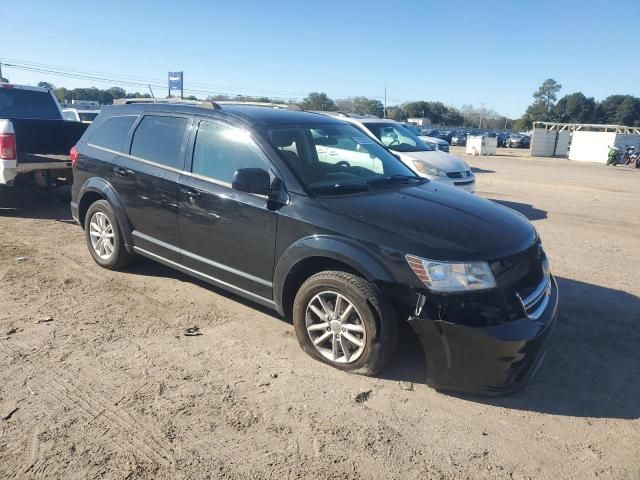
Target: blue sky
x,y
463,52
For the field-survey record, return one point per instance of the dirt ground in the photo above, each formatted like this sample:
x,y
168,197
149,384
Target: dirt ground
x,y
97,379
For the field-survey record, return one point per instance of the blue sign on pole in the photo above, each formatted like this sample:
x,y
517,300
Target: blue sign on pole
x,y
175,81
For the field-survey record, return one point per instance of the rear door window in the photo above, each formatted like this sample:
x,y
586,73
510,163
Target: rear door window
x,y
112,133
160,139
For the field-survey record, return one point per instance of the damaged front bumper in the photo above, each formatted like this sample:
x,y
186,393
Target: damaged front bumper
x,y
491,360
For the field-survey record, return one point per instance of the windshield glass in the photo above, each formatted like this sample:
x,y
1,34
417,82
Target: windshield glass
x,y
20,103
397,138
335,159
87,116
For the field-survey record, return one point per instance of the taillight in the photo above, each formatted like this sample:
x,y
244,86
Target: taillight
x,y
7,146
73,154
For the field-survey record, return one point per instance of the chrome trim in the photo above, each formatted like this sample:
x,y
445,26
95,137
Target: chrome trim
x,y
220,266
137,159
539,296
203,275
171,169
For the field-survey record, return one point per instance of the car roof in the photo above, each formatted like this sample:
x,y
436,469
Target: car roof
x,y
252,115
10,86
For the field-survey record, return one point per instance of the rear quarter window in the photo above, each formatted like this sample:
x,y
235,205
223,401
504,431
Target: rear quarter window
x,y
112,133
159,139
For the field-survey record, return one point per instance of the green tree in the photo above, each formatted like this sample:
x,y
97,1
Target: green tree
x,y
318,101
396,113
368,106
117,92
46,85
628,112
547,93
575,108
418,109
542,109
62,94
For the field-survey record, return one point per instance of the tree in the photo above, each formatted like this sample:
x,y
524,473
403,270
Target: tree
x,y
575,108
542,109
396,113
46,85
628,112
418,109
117,92
547,93
318,101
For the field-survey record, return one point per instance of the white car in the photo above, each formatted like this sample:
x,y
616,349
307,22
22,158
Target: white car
x,y
78,115
422,158
436,143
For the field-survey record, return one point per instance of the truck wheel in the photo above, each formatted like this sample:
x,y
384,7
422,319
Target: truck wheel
x,y
344,321
103,237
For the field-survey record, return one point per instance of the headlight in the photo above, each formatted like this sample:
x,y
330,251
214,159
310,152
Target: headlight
x,y
428,169
452,277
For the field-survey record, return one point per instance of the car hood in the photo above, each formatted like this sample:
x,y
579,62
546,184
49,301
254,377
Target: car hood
x,y
433,221
445,161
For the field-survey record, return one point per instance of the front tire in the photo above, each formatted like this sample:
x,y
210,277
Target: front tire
x,y
344,321
104,238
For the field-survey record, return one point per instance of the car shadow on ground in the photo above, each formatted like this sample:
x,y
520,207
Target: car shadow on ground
x,y
591,369
481,170
146,267
32,202
529,211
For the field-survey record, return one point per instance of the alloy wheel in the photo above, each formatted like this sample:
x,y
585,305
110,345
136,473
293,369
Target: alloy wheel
x,y
101,235
335,327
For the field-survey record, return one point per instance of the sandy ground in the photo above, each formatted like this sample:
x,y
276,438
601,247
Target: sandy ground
x,y
97,379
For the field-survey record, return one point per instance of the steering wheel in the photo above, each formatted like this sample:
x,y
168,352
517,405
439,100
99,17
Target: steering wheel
x,y
394,141
343,163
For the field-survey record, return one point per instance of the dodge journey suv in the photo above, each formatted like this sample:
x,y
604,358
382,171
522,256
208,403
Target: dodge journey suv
x,y
249,199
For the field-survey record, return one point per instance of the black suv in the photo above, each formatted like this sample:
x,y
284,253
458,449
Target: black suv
x,y
347,240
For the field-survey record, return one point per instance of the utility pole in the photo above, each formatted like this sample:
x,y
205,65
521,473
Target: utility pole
x,y
481,114
385,102
1,77
181,85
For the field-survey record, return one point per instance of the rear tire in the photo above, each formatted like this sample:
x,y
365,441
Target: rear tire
x,y
368,331
104,238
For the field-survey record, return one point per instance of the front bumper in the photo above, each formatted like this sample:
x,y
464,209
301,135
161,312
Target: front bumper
x,y
487,360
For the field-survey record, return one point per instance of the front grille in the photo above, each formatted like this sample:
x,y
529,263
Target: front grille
x,y
462,184
521,272
535,303
465,174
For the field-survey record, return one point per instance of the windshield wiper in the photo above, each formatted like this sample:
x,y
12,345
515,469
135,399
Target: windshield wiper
x,y
339,188
394,179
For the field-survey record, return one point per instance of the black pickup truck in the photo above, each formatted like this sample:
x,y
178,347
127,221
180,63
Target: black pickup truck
x,y
34,137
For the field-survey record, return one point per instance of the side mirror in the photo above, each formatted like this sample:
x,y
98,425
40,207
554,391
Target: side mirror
x,y
252,180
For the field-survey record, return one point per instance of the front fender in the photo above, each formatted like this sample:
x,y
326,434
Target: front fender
x,y
104,189
327,246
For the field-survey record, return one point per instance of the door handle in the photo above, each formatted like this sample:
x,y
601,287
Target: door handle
x,y
123,172
191,193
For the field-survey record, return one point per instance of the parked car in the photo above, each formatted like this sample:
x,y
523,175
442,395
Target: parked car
x,y
80,115
435,143
423,159
502,138
459,138
34,138
249,199
518,141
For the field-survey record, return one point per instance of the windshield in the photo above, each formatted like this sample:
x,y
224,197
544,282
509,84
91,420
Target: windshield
x,y
397,138
20,103
336,159
412,129
87,116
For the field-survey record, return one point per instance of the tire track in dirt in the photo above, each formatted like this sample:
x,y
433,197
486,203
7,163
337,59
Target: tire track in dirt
x,y
139,439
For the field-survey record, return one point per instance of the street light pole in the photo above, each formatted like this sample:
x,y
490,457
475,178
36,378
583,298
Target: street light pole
x,y
385,102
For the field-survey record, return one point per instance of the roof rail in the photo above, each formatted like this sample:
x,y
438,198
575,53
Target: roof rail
x,y
286,106
168,101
